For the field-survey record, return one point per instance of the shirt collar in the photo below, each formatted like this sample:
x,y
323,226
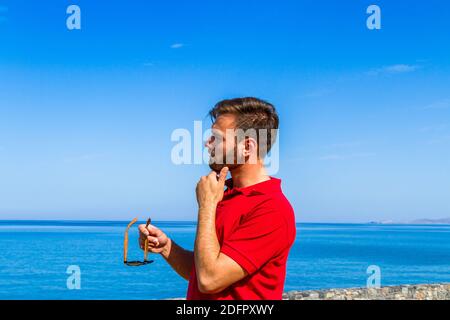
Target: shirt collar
x,y
265,187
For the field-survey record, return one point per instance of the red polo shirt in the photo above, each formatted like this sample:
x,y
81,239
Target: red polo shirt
x,y
255,227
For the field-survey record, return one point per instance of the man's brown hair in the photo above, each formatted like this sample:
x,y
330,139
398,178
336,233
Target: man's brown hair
x,y
251,113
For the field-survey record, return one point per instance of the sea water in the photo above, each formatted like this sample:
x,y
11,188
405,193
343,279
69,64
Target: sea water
x,y
35,257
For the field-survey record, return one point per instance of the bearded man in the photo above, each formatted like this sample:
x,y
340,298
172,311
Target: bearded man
x,y
245,232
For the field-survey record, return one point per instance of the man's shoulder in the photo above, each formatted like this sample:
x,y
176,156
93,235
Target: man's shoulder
x,y
276,201
279,208
275,207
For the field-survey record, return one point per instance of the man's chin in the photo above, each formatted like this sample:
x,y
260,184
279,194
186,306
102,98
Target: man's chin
x,y
217,167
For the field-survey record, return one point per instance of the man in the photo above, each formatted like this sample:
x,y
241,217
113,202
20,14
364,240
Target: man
x,y
244,233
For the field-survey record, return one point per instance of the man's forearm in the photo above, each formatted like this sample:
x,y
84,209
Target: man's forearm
x,y
181,260
207,247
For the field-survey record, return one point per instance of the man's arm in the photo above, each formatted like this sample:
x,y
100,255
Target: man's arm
x,y
215,270
179,259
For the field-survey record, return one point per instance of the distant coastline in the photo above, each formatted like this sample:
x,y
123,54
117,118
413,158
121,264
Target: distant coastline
x,y
443,221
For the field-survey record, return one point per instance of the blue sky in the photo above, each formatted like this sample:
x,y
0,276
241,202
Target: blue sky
x,y
86,115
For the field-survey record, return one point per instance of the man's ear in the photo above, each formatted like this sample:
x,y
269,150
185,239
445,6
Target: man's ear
x,y
251,150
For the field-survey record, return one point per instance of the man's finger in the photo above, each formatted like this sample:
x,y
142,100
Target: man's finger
x,y
153,240
212,175
223,175
143,229
153,231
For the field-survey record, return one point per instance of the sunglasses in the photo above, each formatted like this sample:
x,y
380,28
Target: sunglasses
x,y
125,248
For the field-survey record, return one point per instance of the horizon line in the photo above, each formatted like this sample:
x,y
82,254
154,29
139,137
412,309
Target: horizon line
x,y
195,221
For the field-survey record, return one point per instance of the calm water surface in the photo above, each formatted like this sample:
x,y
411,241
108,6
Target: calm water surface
x,y
35,256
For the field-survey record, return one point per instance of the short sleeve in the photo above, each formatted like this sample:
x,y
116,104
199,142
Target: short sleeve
x,y
261,236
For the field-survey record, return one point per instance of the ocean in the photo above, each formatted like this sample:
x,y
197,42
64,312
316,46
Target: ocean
x,y
35,257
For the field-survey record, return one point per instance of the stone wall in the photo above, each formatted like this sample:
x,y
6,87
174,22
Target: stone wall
x,y
403,292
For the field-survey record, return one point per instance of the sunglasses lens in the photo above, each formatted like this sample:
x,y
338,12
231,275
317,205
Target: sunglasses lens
x,y
138,263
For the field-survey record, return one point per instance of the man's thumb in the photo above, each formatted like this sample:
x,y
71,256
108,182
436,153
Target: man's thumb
x,y
223,175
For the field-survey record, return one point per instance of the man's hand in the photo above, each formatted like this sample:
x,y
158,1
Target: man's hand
x,y
210,188
180,260
158,242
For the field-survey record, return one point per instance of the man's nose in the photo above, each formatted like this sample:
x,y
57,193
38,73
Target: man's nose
x,y
208,143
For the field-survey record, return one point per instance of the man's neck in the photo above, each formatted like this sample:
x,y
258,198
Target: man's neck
x,y
248,175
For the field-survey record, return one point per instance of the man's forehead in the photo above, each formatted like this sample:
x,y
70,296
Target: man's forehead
x,y
223,122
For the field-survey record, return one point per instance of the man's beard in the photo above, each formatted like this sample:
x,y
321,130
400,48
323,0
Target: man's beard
x,y
219,165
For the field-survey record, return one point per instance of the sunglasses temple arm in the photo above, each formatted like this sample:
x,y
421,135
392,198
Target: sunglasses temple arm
x,y
125,241
125,247
146,242
146,250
